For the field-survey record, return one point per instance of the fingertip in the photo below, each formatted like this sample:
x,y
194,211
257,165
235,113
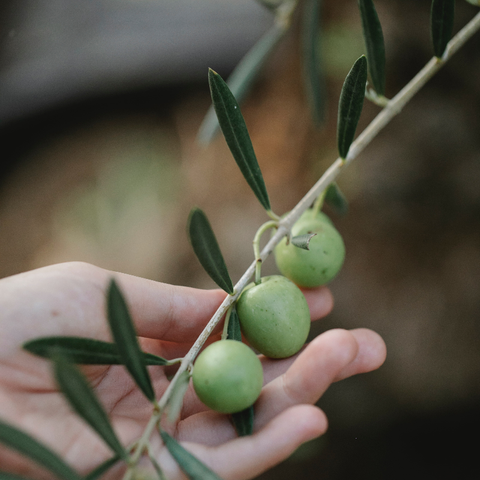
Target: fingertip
x,y
310,421
338,344
320,301
372,352
373,346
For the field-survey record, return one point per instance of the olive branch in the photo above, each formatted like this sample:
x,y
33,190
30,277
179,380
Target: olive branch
x,y
67,351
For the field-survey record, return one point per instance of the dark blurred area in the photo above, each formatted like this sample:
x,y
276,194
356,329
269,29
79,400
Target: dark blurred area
x,y
100,104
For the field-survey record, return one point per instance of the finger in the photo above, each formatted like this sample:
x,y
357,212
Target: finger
x,y
337,354
69,299
320,301
332,356
329,357
247,457
372,352
371,355
176,313
169,312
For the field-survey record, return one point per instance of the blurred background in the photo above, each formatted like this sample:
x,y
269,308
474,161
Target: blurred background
x,y
100,105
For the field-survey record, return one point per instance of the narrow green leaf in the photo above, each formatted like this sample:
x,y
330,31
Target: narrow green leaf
x,y
314,79
243,421
81,397
23,443
441,24
233,329
175,402
84,351
241,79
102,468
157,468
206,249
303,241
11,476
373,35
336,200
350,105
126,340
191,466
236,135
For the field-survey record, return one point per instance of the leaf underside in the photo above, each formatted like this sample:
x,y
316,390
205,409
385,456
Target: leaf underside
x,y
191,466
28,446
373,35
125,337
83,400
441,24
350,105
235,131
207,250
84,351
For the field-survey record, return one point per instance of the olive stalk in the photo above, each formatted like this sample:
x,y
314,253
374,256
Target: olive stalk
x,y
256,247
225,324
284,225
318,204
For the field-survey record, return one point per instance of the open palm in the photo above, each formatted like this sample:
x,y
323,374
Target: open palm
x,y
69,300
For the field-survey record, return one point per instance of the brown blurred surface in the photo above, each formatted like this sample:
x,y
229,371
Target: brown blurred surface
x,y
111,181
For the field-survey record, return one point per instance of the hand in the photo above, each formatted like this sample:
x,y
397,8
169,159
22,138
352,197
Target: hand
x,y
69,299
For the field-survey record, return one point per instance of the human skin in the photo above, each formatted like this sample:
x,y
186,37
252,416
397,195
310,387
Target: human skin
x,y
69,299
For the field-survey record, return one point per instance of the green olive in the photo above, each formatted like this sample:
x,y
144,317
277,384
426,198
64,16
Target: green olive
x,y
324,259
274,316
228,376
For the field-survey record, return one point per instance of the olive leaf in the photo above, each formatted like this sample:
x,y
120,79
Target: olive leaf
x,y
243,421
102,468
84,351
302,241
156,467
12,476
236,135
336,200
174,405
233,329
23,443
242,77
207,250
126,340
441,24
350,105
191,466
81,397
314,80
373,35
